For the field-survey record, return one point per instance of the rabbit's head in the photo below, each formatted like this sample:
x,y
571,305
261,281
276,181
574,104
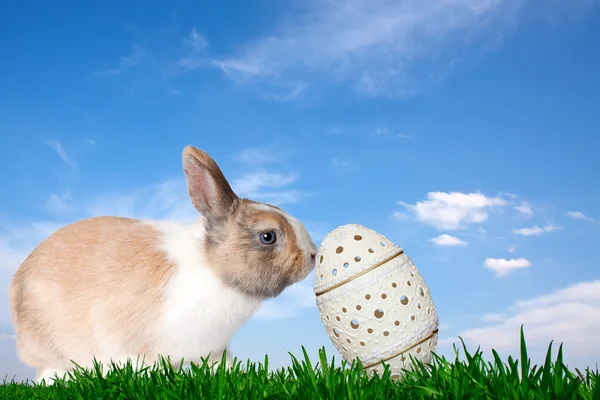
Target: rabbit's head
x,y
254,247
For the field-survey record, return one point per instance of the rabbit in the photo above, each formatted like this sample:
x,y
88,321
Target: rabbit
x,y
115,288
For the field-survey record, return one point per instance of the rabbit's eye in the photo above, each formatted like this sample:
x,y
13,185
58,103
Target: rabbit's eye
x,y
268,237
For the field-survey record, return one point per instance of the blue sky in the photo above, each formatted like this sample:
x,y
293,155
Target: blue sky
x,y
464,131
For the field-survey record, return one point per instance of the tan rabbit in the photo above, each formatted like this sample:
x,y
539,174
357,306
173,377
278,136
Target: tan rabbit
x,y
118,288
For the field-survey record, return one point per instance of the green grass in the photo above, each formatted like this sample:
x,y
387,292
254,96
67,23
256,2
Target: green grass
x,y
468,378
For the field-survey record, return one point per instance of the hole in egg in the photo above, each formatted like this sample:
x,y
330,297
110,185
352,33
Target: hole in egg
x,y
339,249
397,323
344,309
383,296
358,307
346,265
409,283
421,292
413,317
362,344
334,272
354,324
338,318
386,333
371,251
357,259
321,276
370,330
327,316
382,244
394,285
419,306
428,310
336,332
348,340
368,297
404,300
411,274
357,237
321,260
419,350
378,313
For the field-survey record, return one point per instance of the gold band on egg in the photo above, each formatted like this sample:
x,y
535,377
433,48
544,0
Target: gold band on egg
x,y
404,350
371,268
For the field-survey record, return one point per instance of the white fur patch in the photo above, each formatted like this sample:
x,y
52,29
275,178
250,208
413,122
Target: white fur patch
x,y
304,240
200,313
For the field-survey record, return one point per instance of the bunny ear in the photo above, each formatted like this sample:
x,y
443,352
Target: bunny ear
x,y
208,188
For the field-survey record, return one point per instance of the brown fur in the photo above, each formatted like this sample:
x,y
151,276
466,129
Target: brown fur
x,y
208,188
106,262
101,281
253,268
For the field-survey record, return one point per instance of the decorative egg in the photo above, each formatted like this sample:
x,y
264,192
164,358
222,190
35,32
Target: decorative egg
x,y
373,302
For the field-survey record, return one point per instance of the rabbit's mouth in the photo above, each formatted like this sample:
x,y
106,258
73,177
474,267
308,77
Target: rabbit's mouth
x,y
311,264
310,256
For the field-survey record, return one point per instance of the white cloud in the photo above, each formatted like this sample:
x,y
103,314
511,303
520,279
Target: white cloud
x,y
287,92
525,209
579,215
262,184
58,203
267,185
253,185
503,267
534,230
374,44
451,211
513,248
569,315
167,200
196,45
60,151
509,195
398,216
447,240
127,62
387,47
273,153
404,136
381,131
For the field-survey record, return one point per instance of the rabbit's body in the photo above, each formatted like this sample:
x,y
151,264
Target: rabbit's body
x,y
114,288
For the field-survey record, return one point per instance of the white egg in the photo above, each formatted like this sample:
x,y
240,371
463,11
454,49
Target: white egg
x,y
373,302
